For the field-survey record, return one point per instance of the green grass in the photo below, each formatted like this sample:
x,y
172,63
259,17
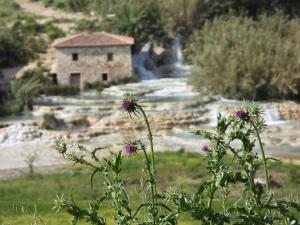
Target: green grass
x,y
20,196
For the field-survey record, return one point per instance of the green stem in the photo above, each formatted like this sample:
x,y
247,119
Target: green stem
x,y
151,178
152,172
263,156
212,194
150,137
138,209
250,178
210,202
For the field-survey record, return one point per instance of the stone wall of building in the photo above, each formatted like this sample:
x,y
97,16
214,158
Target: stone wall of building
x,y
92,63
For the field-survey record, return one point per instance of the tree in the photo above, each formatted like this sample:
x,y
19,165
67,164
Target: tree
x,y
12,48
142,20
22,92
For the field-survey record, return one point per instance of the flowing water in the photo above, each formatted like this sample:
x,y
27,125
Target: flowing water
x,y
146,68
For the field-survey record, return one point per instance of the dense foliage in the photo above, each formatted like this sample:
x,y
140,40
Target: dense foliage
x,y
180,16
21,95
254,205
18,39
52,31
20,35
12,48
242,58
62,90
142,20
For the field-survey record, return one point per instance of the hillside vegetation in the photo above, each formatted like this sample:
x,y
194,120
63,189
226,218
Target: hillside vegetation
x,y
21,35
18,43
176,16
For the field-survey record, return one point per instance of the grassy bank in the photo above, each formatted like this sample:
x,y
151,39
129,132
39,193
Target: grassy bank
x,y
19,197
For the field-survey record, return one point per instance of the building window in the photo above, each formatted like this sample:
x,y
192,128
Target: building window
x,y
110,57
104,76
75,56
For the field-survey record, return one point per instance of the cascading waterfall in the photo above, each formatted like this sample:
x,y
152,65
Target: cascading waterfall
x,y
146,69
139,61
179,52
272,115
180,69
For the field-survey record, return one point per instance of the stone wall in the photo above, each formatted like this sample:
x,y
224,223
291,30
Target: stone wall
x,y
92,63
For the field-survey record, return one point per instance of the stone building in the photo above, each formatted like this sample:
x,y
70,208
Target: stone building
x,y
92,57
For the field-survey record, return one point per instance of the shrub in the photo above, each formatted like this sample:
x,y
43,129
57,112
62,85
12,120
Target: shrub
x,y
27,25
74,5
30,160
12,48
125,80
60,4
50,122
246,59
255,204
53,31
9,10
60,90
36,73
21,94
77,5
3,97
48,3
88,25
37,45
97,85
100,86
103,7
19,40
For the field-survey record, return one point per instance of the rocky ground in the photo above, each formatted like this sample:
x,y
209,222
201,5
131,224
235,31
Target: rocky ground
x,y
97,121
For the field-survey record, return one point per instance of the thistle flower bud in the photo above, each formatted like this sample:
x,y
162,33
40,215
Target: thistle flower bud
x,y
130,149
241,114
205,148
128,106
132,146
130,103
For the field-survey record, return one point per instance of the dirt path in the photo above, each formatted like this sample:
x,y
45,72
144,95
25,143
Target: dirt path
x,y
38,9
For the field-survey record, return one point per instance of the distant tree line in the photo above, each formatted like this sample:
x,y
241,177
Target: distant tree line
x,y
172,16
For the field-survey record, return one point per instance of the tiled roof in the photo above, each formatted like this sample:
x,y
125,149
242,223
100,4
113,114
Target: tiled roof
x,y
92,39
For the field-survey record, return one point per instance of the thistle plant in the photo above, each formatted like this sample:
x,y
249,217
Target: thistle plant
x,y
152,211
255,204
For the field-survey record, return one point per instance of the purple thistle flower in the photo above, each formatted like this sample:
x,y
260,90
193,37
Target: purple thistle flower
x,y
128,106
241,114
130,149
205,148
